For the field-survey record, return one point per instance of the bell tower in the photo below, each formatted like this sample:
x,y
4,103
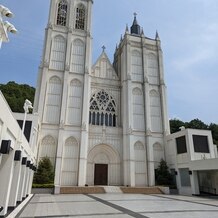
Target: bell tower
x,y
63,89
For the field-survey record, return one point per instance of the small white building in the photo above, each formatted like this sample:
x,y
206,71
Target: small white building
x,y
192,158
17,159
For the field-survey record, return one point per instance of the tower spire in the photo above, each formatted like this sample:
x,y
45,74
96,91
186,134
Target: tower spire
x,y
135,28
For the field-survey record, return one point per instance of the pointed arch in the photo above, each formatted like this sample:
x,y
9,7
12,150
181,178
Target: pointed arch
x,y
104,154
62,13
70,162
155,108
53,100
80,17
103,110
74,106
138,109
158,152
140,164
137,66
48,148
153,69
78,56
58,52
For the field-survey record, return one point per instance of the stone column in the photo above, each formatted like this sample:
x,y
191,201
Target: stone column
x,y
15,185
84,132
6,176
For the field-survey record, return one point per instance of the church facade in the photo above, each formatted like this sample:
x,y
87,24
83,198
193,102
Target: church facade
x,y
101,124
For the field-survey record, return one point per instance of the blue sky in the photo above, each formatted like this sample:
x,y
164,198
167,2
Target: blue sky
x,y
188,30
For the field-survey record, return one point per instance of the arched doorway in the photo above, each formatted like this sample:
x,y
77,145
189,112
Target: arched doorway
x,y
103,166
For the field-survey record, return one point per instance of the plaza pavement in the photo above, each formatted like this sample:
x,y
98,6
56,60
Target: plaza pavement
x,y
119,206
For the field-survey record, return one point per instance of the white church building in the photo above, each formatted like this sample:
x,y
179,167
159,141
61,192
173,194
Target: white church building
x,y
101,124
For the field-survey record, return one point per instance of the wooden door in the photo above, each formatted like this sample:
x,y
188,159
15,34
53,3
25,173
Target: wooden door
x,y
101,174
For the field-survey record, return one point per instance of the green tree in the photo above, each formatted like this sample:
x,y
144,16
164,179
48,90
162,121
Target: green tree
x,y
214,129
163,176
16,94
44,173
196,124
175,124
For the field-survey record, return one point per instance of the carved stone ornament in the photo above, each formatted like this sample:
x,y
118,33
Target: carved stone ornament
x,y
67,67
130,130
46,63
50,26
70,30
84,126
148,132
61,126
129,76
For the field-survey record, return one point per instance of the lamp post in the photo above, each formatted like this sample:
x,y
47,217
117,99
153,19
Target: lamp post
x,y
5,26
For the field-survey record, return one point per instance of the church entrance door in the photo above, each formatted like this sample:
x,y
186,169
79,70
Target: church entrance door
x,y
101,174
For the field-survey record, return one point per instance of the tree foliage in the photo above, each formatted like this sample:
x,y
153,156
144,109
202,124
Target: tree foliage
x,y
163,176
175,125
16,94
44,173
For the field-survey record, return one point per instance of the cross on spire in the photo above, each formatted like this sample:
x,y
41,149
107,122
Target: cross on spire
x,y
103,47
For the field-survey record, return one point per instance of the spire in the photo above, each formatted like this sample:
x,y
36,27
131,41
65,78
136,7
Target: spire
x,y
135,28
157,36
127,28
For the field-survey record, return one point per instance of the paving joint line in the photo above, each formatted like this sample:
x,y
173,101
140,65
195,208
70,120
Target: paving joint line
x,y
189,201
117,207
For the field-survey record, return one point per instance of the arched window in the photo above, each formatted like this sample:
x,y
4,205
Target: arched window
x,y
75,103
153,69
80,17
53,103
62,13
102,110
136,62
138,109
48,149
140,164
58,53
78,57
155,107
70,162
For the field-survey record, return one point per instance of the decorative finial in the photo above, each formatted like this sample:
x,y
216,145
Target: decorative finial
x,y
135,14
103,47
157,36
127,28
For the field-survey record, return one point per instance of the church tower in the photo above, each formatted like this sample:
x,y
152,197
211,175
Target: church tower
x,y
139,63
62,91
103,124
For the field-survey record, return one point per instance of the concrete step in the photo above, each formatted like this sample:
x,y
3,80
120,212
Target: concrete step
x,y
112,189
141,190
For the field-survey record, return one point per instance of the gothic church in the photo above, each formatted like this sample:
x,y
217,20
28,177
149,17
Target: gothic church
x,y
101,124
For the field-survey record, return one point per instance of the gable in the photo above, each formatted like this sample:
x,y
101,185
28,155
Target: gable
x,y
103,68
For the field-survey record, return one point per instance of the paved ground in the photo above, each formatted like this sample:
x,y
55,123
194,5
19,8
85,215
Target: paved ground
x,y
120,206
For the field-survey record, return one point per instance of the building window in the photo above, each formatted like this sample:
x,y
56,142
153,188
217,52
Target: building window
x,y
200,144
80,17
181,145
102,110
62,13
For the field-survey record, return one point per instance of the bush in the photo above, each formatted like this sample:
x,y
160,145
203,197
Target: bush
x,y
44,173
163,176
43,185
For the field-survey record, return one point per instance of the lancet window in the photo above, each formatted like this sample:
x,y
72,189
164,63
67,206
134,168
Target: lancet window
x,y
80,17
102,110
62,13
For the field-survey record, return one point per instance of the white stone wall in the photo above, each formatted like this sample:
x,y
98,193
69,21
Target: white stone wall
x,y
15,179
